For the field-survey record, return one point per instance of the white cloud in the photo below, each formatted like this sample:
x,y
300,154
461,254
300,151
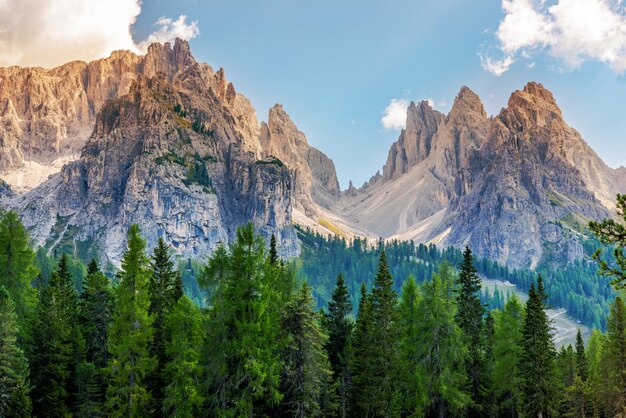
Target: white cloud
x,y
495,66
170,30
571,31
394,116
49,33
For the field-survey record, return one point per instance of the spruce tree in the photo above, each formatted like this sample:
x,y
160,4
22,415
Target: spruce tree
x,y
537,357
384,336
273,254
362,382
306,374
17,271
581,358
579,395
339,327
165,289
183,395
506,352
96,314
442,351
409,340
469,316
14,385
130,335
56,345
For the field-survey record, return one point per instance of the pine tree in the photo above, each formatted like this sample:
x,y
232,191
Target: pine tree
x,y
442,351
57,345
183,393
17,271
506,352
615,352
130,335
96,314
165,289
339,346
273,255
14,385
362,382
578,395
469,316
384,340
306,374
409,340
537,367
581,358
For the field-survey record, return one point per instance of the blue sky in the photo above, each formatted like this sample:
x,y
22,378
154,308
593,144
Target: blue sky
x,y
336,65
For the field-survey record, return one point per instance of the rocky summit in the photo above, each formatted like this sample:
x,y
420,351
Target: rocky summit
x,y
180,154
518,187
166,142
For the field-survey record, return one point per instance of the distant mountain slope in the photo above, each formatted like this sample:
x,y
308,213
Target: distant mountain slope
x,y
515,187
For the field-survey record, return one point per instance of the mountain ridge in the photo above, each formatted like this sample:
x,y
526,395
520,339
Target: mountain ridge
x,y
515,186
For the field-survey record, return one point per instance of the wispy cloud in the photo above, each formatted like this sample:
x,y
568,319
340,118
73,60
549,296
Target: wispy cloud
x,y
48,33
571,31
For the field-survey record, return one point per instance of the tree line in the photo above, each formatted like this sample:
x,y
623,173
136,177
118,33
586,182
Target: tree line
x,y
137,346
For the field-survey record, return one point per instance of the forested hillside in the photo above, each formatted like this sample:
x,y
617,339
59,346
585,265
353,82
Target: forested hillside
x,y
419,345
577,287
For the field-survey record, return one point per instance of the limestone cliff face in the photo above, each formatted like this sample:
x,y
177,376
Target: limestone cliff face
x,y
518,187
179,154
315,178
47,115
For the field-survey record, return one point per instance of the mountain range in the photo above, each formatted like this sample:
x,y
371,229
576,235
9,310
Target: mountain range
x,y
166,142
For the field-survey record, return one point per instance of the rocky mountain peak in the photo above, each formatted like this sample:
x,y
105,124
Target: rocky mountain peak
x,y
467,105
533,106
314,173
168,60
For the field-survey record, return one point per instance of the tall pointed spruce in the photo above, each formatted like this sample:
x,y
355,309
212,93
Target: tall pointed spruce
x,y
339,346
537,357
306,372
469,316
130,335
362,382
57,345
384,335
96,312
165,288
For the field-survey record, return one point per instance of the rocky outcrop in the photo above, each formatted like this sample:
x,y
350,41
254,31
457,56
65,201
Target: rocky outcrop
x,y
179,154
47,115
315,178
518,187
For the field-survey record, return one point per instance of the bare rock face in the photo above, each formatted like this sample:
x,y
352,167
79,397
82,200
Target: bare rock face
x,y
518,187
47,115
178,154
315,178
